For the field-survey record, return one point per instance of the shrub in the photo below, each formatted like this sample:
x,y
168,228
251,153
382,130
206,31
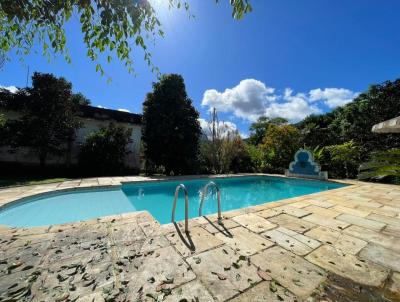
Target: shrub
x,y
104,151
344,159
383,165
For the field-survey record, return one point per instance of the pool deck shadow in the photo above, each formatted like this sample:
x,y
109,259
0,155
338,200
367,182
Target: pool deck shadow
x,y
336,245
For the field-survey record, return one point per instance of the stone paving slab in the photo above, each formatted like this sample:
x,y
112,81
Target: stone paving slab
x,y
387,241
293,272
287,242
378,254
223,272
313,244
343,242
244,241
197,241
362,222
293,223
192,291
254,223
267,291
348,266
326,221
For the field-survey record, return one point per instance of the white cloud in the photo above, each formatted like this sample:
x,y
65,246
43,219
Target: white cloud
x,y
251,99
12,89
102,107
123,110
333,97
224,127
293,107
246,100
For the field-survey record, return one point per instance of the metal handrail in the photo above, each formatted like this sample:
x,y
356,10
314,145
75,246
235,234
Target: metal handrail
x,y
211,183
181,186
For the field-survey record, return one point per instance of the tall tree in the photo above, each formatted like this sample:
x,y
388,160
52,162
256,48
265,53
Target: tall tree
x,y
171,129
107,26
258,128
354,121
49,116
279,146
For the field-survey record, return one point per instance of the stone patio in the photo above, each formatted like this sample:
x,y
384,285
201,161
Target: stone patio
x,y
337,245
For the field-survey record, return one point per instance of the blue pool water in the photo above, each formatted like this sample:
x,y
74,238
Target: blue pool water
x,y
156,197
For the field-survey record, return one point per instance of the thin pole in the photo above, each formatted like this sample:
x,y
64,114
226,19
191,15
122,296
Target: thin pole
x,y
27,77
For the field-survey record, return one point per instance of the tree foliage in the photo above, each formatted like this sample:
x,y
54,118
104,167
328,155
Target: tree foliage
x,y
104,151
258,129
108,27
346,156
171,129
49,116
383,164
279,146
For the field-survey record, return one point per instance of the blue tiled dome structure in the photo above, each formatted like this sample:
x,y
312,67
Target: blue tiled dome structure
x,y
305,166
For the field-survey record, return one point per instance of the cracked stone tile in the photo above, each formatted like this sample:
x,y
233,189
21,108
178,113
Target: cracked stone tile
x,y
154,273
300,204
254,223
388,241
362,222
293,223
312,243
150,228
154,243
343,242
348,266
267,291
215,228
288,209
382,256
322,211
287,242
291,271
192,291
326,222
319,203
393,221
223,272
197,241
245,242
351,211
126,233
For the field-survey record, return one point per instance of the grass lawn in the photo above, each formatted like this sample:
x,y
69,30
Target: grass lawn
x,y
28,181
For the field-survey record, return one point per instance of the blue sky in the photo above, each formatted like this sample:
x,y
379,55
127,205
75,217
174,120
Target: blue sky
x,y
288,58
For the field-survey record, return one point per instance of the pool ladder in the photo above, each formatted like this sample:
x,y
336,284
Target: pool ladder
x,y
178,188
211,184
204,193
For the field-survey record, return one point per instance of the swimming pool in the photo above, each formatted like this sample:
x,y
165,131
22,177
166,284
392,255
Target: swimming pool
x,y
155,197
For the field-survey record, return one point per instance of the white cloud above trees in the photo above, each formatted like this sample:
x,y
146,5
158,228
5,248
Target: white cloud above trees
x,y
251,99
12,89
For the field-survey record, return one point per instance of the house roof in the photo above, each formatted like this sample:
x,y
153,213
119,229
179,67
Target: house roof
x,y
109,114
389,126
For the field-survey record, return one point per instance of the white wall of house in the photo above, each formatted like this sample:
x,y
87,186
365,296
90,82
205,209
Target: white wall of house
x,y
28,156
